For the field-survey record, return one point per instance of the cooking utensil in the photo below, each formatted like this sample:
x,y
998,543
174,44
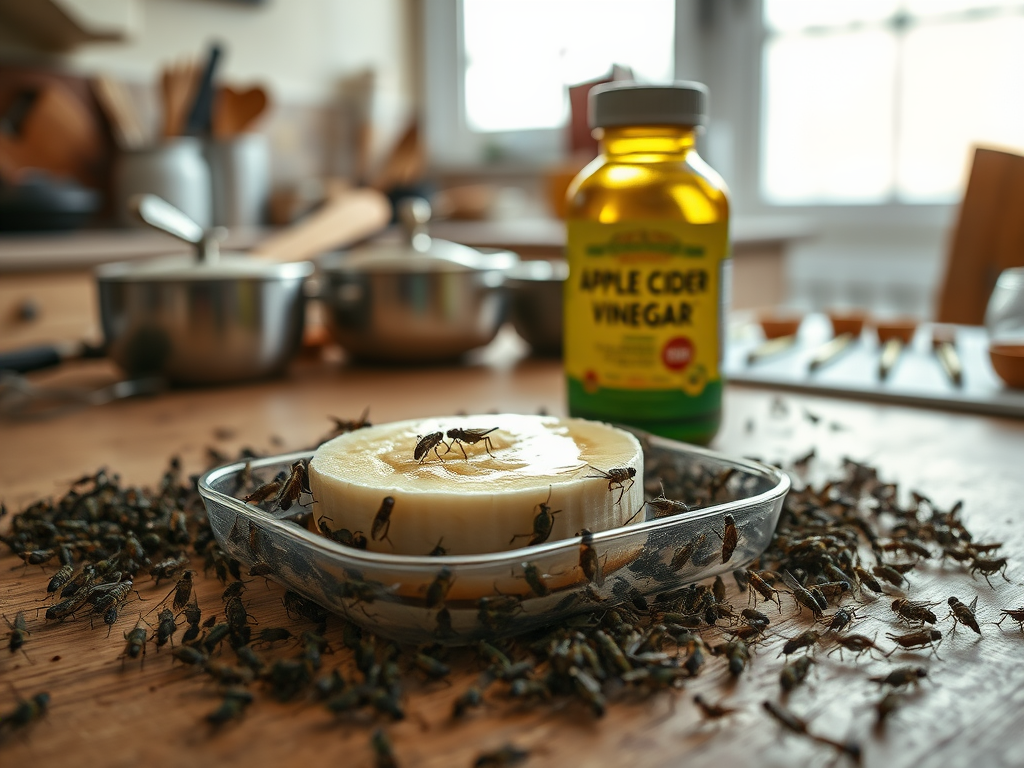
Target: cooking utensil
x,y
117,105
178,84
201,114
416,301
535,303
846,328
235,111
346,217
944,347
212,318
894,335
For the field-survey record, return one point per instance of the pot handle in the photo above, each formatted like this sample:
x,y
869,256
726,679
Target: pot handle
x,y
160,214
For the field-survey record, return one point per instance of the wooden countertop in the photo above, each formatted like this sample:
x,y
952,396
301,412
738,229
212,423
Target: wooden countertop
x,y
105,713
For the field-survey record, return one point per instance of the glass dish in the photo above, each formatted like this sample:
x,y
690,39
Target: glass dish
x,y
460,599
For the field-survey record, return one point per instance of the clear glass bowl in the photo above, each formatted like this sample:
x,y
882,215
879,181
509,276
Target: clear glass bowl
x,y
460,599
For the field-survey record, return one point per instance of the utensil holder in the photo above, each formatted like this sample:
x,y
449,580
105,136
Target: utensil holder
x,y
175,170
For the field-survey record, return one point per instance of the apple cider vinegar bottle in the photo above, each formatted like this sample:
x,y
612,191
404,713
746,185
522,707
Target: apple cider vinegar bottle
x,y
648,252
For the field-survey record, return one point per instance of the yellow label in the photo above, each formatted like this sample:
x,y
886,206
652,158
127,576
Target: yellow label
x,y
644,304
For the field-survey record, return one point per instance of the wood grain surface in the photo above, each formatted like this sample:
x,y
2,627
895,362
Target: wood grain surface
x,y
106,712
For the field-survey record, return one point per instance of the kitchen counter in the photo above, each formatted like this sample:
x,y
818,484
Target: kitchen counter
x,y
107,713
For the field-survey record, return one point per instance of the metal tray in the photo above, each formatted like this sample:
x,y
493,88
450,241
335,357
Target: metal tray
x,y
489,595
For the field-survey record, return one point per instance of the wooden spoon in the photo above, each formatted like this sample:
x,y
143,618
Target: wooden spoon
x,y
235,111
345,218
178,83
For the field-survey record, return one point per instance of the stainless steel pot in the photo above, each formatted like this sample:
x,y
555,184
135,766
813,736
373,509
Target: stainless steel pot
x,y
416,301
210,319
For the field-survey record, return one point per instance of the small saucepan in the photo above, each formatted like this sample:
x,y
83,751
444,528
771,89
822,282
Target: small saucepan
x,y
420,300
211,318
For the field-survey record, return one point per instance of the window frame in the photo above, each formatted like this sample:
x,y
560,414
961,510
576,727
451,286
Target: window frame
x,y
718,43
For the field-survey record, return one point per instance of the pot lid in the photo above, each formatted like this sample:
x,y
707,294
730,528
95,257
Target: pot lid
x,y
229,266
417,251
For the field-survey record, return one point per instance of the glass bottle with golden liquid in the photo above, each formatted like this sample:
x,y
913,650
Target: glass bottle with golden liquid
x,y
648,252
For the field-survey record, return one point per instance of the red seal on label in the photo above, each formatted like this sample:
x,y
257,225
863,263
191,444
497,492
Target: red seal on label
x,y
590,381
677,353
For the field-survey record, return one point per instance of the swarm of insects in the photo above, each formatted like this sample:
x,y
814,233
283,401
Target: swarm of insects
x,y
852,538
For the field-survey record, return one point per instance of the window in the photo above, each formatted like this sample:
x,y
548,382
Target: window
x,y
497,70
876,101
520,55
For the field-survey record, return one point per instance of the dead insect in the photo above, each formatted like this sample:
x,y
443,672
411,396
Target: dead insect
x,y
919,613
801,595
729,537
234,589
665,507
502,757
382,520
136,641
168,568
293,486
839,620
16,639
264,492
341,426
536,582
165,628
438,550
922,639
235,701
718,589
803,640
964,614
1014,614
885,706
189,655
799,726
383,753
683,555
617,477
712,711
901,676
889,574
471,437
987,567
430,666
66,608
427,443
737,653
857,644
906,546
26,712
472,697
295,604
762,588
273,635
543,522
794,673
867,579
37,556
590,563
588,689
438,589
60,578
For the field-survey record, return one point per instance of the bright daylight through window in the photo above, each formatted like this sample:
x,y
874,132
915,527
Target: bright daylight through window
x,y
521,54
874,101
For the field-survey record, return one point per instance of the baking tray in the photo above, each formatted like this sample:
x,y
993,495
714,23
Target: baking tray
x,y
387,594
917,378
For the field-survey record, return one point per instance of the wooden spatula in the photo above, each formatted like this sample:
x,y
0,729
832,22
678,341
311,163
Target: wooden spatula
x,y
235,111
345,218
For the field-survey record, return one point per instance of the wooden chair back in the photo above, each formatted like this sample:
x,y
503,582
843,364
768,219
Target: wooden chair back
x,y
989,236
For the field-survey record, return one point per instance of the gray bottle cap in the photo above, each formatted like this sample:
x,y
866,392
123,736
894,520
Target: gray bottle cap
x,y
628,103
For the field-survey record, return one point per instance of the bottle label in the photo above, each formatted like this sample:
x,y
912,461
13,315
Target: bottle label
x,y
643,307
